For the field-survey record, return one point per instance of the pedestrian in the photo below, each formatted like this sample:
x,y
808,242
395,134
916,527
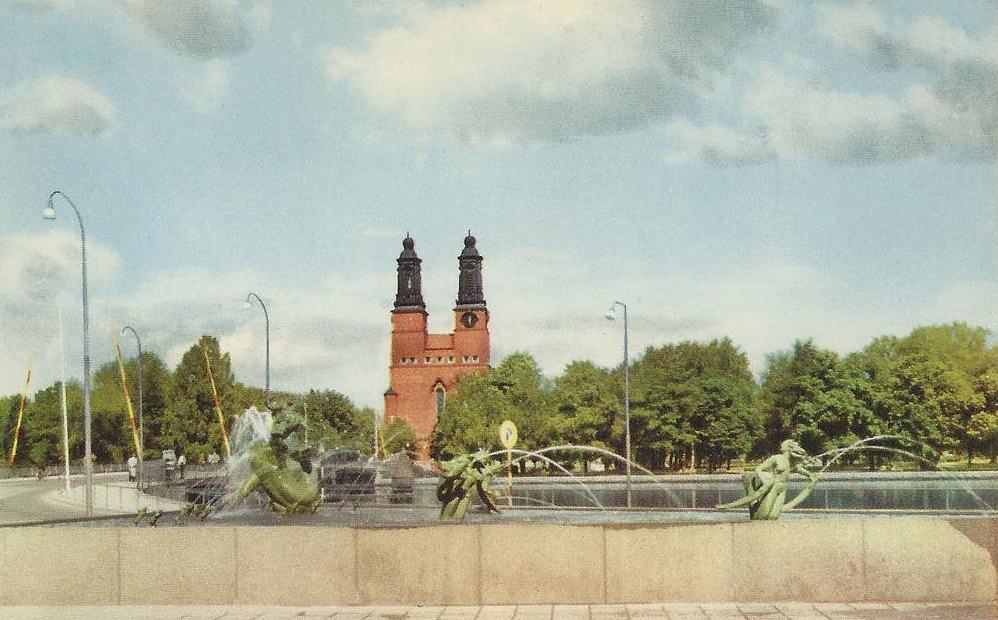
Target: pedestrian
x,y
133,464
180,463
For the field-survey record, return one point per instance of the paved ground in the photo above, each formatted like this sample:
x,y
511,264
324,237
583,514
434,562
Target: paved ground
x,y
666,611
24,500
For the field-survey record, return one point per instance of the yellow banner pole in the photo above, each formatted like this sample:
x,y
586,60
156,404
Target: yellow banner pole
x,y
218,404
509,476
128,398
20,413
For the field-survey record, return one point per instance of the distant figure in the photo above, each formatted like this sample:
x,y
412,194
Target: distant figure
x,y
181,462
213,459
133,465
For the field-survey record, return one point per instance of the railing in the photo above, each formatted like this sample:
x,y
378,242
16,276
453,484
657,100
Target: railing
x,y
59,470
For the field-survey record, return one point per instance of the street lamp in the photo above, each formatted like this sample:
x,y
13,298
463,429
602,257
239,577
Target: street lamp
x,y
266,322
88,466
611,315
142,445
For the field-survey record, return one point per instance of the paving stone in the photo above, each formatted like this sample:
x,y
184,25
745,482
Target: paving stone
x,y
758,608
570,612
870,606
424,612
731,608
682,608
497,612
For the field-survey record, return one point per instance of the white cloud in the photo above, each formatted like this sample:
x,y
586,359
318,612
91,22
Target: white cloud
x,y
198,28
38,4
205,89
715,144
787,117
56,104
928,42
947,106
517,71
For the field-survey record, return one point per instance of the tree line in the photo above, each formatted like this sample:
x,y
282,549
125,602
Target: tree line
x,y
178,412
696,405
692,405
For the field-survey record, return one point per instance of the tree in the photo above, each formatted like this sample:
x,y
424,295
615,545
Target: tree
x,y
157,390
514,390
982,429
693,405
190,423
587,404
331,412
42,433
929,386
809,395
399,437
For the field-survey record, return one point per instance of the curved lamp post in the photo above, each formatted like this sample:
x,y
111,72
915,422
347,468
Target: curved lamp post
x,y
611,314
142,444
88,466
266,322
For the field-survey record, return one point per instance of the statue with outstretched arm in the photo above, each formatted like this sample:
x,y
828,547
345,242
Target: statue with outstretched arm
x,y
766,485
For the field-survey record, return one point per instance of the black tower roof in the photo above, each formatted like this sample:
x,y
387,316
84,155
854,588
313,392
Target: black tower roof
x,y
409,296
469,287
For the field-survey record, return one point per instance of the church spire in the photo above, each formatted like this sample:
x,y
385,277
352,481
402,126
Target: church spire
x,y
469,288
409,297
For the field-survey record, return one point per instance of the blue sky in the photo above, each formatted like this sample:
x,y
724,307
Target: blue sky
x,y
764,170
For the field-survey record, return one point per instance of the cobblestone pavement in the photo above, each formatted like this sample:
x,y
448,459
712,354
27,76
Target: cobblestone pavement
x,y
665,611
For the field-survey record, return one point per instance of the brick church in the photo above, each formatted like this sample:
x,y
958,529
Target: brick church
x,y
424,367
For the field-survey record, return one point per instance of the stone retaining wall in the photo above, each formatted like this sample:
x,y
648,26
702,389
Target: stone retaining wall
x,y
805,560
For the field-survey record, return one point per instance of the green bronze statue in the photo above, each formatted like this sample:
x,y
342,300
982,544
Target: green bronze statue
x,y
282,468
461,476
766,485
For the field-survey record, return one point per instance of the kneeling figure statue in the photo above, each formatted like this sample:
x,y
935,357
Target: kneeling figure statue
x,y
766,485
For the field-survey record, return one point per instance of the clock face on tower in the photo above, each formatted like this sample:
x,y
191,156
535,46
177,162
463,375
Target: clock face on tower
x,y
468,319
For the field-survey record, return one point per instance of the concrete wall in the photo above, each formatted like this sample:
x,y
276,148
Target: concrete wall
x,y
813,560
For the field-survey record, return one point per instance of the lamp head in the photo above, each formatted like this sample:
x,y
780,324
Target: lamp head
x,y
49,211
247,305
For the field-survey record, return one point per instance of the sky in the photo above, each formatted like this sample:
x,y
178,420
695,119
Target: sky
x,y
764,170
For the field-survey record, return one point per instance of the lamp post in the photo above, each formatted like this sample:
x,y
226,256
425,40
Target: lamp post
x,y
142,444
266,322
88,466
611,314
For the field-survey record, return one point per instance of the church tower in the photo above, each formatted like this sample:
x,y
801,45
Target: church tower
x,y
425,367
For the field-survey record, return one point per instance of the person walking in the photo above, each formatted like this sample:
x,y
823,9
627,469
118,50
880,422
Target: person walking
x,y
133,466
181,462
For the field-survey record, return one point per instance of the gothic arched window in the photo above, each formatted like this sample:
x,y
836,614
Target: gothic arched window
x,y
441,397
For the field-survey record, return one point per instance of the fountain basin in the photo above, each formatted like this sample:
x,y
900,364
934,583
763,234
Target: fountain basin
x,y
835,559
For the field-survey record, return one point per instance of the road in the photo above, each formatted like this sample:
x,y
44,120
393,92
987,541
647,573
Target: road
x,y
24,499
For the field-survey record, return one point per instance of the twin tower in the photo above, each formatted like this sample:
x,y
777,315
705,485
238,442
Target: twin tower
x,y
424,367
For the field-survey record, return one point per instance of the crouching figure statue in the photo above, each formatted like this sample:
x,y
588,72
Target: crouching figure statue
x,y
461,477
766,485
282,468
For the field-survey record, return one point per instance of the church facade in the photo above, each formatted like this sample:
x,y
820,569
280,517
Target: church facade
x,y
424,367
